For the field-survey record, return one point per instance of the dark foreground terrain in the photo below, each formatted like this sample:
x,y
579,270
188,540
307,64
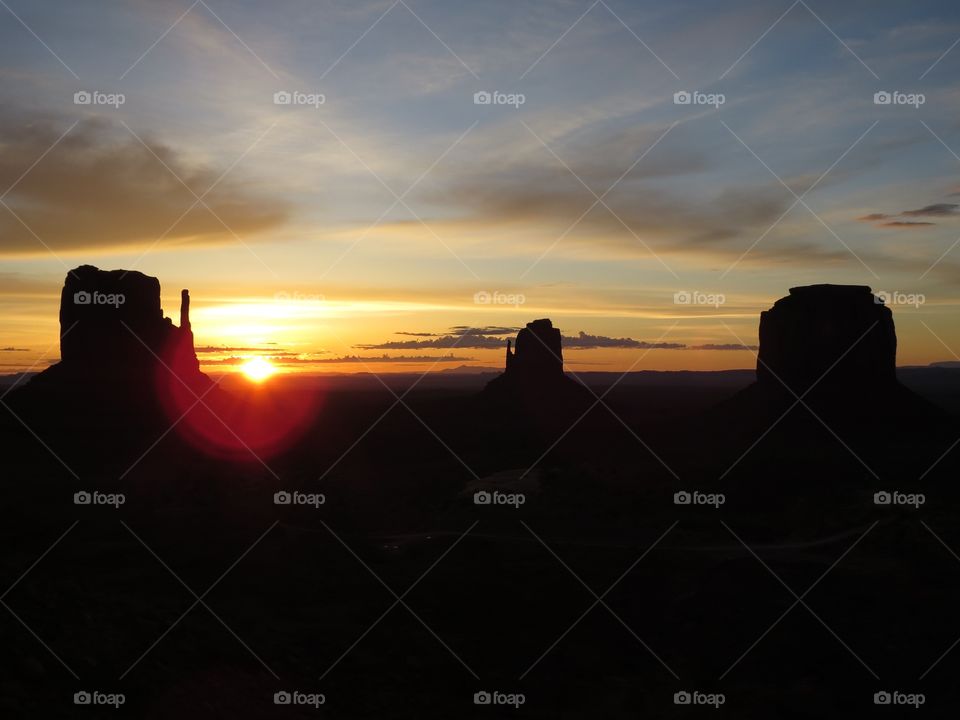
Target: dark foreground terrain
x,y
399,597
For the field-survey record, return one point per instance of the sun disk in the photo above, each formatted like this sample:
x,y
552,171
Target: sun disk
x,y
258,369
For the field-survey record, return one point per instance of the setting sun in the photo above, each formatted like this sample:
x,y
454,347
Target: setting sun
x,y
258,369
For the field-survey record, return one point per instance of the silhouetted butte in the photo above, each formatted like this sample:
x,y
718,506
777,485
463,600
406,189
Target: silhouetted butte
x,y
116,345
533,383
834,347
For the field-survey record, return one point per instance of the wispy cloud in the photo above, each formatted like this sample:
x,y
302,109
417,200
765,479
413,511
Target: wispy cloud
x,y
101,188
936,210
584,341
906,224
472,338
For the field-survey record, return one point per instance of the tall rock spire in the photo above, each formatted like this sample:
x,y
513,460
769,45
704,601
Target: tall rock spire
x,y
184,309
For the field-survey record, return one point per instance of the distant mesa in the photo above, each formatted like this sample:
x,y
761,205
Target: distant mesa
x,y
113,331
838,336
834,346
120,358
538,355
131,369
534,367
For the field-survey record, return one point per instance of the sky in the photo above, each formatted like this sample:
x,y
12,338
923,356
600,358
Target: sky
x,y
649,175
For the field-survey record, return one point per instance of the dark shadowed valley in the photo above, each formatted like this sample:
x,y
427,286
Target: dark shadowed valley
x,y
594,544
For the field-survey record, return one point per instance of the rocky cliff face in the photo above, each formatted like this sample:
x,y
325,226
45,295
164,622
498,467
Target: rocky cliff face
x,y
538,355
834,346
838,336
533,384
112,328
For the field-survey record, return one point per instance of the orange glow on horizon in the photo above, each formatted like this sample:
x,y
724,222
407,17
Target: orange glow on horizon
x,y
258,369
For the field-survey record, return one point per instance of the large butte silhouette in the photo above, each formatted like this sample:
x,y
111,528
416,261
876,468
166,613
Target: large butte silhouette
x,y
832,350
113,334
533,372
126,367
533,397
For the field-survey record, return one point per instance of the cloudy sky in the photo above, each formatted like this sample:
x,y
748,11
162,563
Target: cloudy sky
x,y
387,213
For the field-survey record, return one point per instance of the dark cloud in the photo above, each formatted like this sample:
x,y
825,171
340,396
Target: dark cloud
x,y
99,187
464,330
470,338
583,341
488,330
481,342
935,210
